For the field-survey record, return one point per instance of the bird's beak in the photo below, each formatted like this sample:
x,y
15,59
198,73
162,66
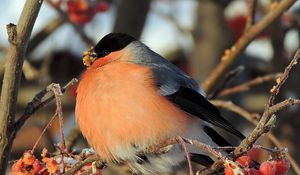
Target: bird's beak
x,y
88,57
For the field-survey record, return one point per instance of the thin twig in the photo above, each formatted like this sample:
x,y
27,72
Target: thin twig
x,y
37,103
183,144
240,45
58,93
80,164
228,105
42,133
247,85
280,81
228,78
251,14
208,149
56,89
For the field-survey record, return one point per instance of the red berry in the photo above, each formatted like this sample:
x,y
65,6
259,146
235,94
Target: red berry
x,y
244,161
267,168
228,171
17,166
282,166
37,166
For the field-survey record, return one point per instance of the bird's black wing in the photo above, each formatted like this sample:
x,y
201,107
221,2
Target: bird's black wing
x,y
195,104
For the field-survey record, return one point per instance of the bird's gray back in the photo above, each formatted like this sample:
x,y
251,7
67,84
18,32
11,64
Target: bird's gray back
x,y
168,77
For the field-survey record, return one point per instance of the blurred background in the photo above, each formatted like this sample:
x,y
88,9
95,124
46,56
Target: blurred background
x,y
192,34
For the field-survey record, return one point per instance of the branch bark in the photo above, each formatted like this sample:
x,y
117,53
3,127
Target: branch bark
x,y
18,37
241,44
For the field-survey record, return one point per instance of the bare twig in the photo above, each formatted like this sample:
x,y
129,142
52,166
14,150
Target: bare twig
x,y
57,94
267,120
253,118
208,149
183,144
228,78
18,36
280,81
269,110
247,85
251,14
42,133
56,89
80,164
228,105
239,46
37,103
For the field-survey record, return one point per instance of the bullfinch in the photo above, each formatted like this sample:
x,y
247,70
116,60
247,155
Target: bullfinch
x,y
131,99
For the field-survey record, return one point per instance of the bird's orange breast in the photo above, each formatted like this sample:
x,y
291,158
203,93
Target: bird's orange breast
x,y
120,111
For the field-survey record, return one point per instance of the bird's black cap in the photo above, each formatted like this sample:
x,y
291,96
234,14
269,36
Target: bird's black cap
x,y
112,42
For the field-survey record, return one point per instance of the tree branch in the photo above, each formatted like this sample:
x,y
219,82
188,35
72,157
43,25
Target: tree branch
x,y
80,164
247,85
36,103
251,14
253,118
241,44
18,37
267,120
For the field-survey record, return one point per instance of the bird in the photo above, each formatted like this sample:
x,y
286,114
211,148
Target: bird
x,y
130,99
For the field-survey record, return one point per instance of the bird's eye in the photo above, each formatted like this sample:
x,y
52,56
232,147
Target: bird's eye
x,y
104,53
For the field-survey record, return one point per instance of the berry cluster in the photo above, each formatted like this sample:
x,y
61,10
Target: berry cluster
x,y
28,164
82,11
245,165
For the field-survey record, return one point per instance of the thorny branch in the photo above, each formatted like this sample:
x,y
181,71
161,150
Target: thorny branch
x,y
239,46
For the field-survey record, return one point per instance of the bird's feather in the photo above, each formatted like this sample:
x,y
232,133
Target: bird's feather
x,y
178,87
195,104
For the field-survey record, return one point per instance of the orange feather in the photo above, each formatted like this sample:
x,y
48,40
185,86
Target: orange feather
x,y
119,108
